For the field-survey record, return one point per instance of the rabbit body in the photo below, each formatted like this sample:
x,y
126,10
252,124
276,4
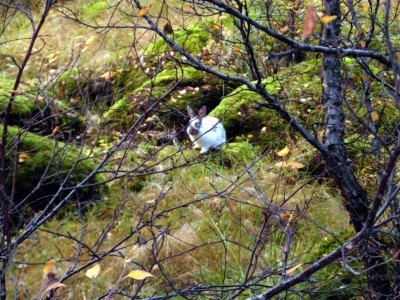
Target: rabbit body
x,y
204,131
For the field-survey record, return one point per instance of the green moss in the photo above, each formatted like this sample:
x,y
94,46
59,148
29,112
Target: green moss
x,y
240,113
333,281
193,39
68,82
233,155
186,75
116,109
42,159
94,8
24,106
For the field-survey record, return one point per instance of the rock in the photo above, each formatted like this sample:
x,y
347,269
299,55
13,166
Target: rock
x,y
40,166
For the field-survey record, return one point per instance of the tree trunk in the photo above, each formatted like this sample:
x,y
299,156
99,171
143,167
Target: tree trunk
x,y
355,197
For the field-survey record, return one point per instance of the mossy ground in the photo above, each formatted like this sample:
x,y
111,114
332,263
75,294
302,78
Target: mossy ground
x,y
40,159
215,224
210,204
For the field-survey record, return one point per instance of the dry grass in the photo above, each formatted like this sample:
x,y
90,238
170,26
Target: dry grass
x,y
203,241
213,216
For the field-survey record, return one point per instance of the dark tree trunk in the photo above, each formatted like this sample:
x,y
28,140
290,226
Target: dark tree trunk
x,y
355,197
356,200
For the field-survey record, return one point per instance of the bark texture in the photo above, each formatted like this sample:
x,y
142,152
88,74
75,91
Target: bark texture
x,y
355,197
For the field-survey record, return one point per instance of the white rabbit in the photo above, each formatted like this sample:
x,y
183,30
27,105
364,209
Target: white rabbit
x,y
205,132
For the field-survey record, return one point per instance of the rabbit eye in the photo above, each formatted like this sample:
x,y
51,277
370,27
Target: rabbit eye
x,y
197,124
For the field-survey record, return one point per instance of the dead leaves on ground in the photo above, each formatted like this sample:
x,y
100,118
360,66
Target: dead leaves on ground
x,y
50,279
287,164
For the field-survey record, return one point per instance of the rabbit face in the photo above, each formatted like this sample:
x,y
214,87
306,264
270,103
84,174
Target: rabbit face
x,y
194,127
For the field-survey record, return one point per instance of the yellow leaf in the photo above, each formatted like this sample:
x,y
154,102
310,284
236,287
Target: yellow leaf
x,y
86,48
365,9
291,270
95,39
139,274
281,164
21,158
51,60
295,165
31,82
77,46
327,19
93,272
284,152
25,155
284,29
53,286
50,265
235,48
374,116
107,75
143,11
216,27
363,44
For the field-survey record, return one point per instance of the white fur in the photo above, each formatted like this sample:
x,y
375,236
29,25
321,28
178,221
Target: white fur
x,y
211,133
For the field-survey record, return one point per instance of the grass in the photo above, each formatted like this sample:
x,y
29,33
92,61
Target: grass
x,y
206,214
208,240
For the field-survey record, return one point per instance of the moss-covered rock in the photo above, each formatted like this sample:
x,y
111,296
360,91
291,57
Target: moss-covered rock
x,y
24,105
240,114
46,113
41,165
191,87
193,39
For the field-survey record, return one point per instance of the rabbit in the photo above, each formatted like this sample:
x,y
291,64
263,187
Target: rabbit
x,y
204,131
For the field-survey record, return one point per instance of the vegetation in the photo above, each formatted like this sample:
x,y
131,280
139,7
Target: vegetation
x,y
103,196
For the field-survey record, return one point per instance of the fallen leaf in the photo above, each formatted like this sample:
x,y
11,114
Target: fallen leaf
x,y
143,11
295,165
235,48
310,22
291,270
139,274
50,265
107,75
284,152
93,272
327,19
55,285
93,40
281,164
54,59
284,29
374,116
216,27
86,48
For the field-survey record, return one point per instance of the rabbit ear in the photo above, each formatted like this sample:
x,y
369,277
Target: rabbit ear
x,y
202,112
190,112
